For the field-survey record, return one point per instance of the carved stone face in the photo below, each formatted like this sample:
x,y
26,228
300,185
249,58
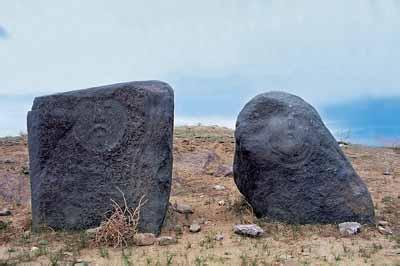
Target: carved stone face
x,y
100,124
288,140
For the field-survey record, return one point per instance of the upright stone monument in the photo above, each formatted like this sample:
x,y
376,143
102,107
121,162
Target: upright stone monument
x,y
290,168
87,145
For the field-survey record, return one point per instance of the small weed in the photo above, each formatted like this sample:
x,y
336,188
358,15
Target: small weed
x,y
208,241
103,252
376,247
387,199
244,260
365,253
3,225
170,257
83,240
125,258
200,261
55,258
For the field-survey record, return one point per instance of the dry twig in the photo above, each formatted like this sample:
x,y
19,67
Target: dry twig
x,y
119,229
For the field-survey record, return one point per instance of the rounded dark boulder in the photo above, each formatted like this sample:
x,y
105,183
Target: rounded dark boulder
x,y
290,168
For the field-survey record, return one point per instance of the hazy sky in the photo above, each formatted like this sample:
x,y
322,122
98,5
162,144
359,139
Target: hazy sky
x,y
216,54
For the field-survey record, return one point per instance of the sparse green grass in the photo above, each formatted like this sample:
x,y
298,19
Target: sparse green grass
x,y
103,252
387,199
200,261
208,241
126,258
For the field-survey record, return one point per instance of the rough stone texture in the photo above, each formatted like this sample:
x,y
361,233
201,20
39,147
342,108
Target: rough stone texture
x,y
86,145
290,168
349,228
251,230
194,228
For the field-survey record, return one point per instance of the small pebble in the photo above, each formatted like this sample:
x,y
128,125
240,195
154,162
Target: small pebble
x,y
385,231
35,251
383,223
219,187
5,212
195,228
219,237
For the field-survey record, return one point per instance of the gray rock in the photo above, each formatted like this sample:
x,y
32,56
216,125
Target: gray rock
x,y
5,212
251,230
144,239
385,230
195,228
290,168
219,187
86,145
182,208
35,251
383,223
349,228
219,237
166,240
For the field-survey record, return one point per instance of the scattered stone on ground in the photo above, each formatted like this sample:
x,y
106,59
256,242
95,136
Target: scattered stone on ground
x,y
221,203
194,228
282,144
386,172
219,237
35,251
27,234
385,230
79,139
219,187
182,208
349,228
251,230
5,212
144,239
166,240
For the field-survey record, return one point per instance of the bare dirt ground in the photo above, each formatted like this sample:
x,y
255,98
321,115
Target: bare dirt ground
x,y
203,159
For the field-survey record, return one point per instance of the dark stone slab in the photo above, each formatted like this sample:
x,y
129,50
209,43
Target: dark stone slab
x,y
85,145
290,168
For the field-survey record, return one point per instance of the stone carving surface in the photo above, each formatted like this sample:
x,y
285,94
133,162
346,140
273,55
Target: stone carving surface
x,y
85,146
100,124
290,168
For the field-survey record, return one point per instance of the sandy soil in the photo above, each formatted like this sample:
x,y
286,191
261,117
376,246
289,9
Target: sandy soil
x,y
203,159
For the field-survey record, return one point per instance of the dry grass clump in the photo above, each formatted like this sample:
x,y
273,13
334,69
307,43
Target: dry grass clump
x,y
242,209
119,229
